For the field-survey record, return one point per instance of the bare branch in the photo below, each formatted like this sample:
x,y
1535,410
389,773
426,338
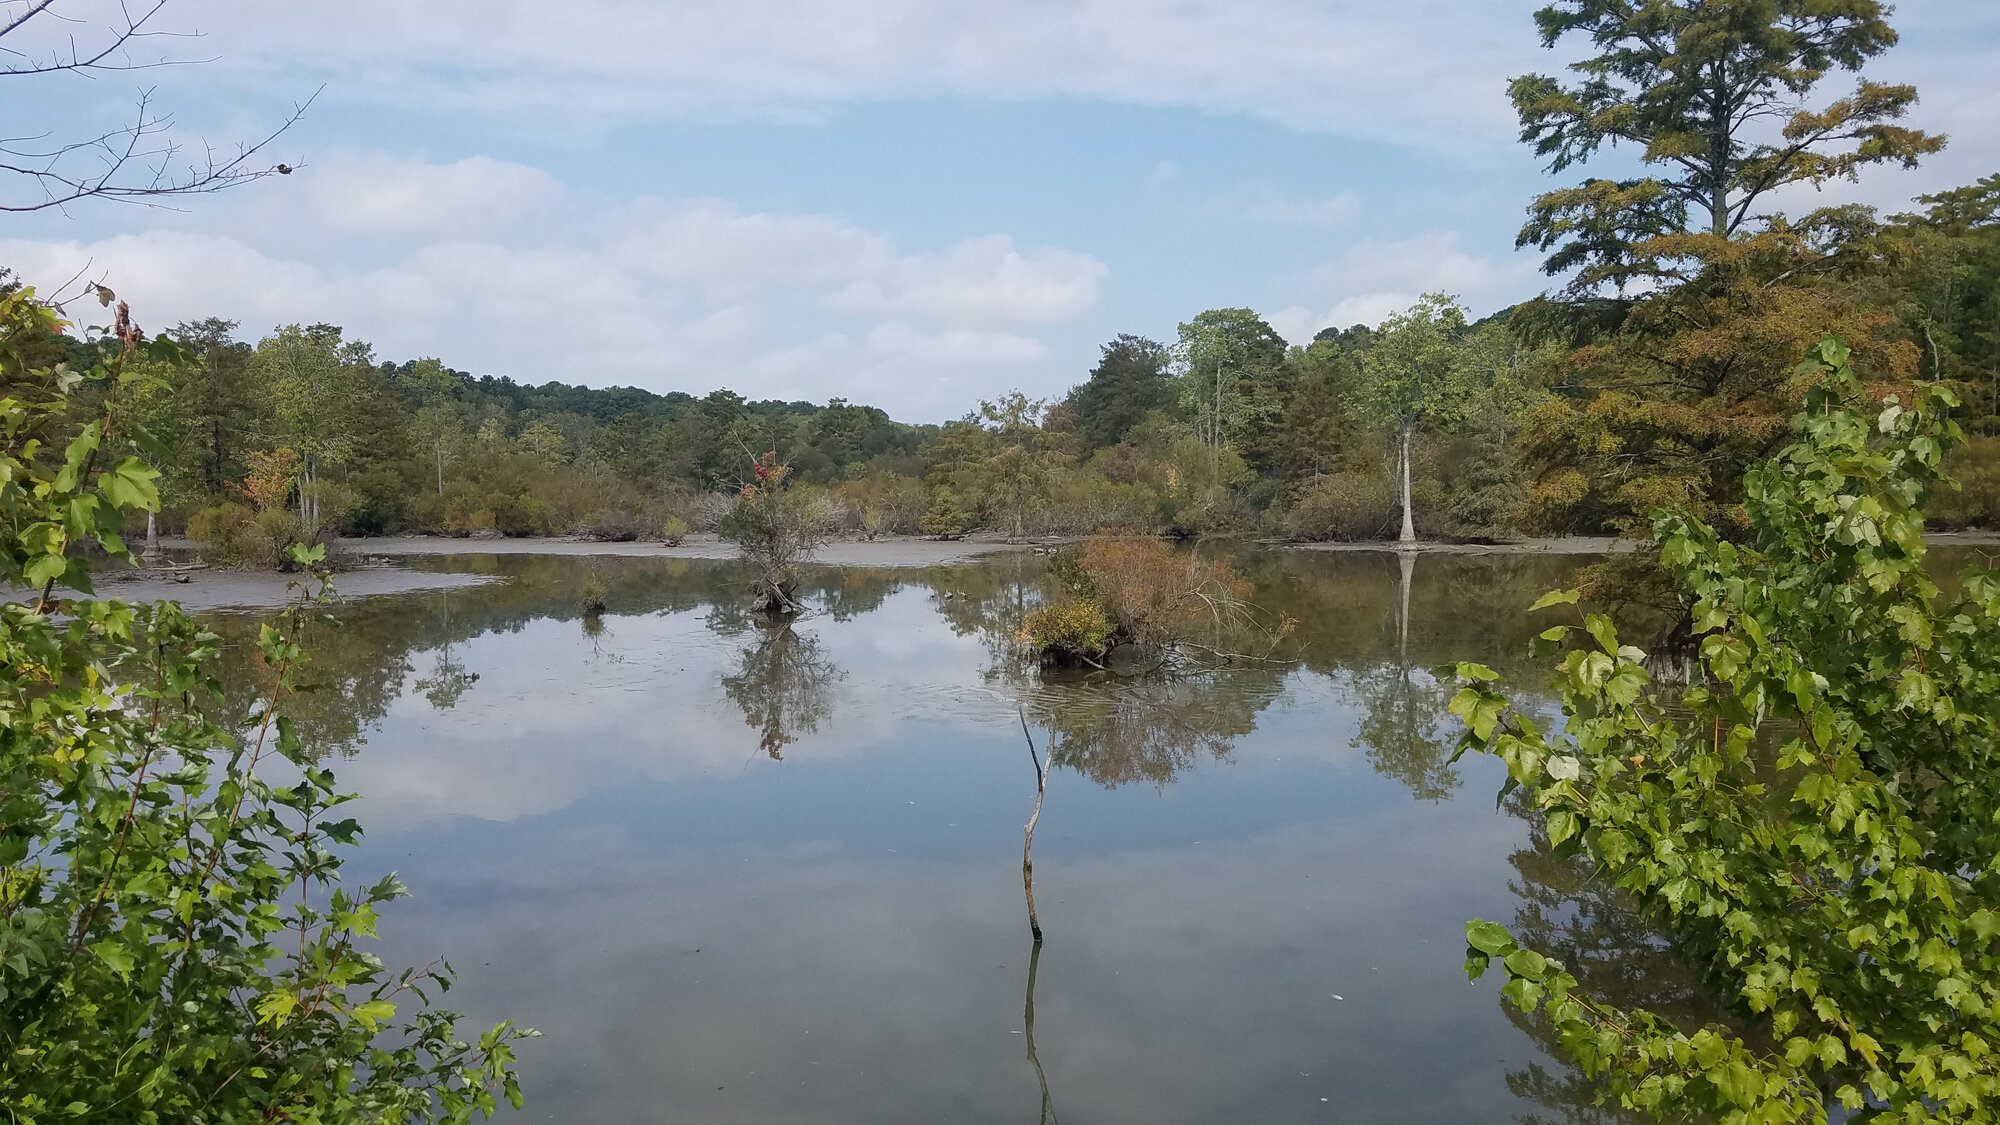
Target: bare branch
x,y
135,164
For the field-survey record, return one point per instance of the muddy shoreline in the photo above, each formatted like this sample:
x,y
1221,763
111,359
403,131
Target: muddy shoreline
x,y
380,570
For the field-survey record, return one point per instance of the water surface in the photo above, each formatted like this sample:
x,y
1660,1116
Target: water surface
x,y
743,874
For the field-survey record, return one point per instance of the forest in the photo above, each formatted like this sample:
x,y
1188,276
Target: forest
x,y
1579,412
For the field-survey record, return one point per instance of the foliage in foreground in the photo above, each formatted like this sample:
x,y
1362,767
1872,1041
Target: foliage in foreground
x,y
1818,822
175,944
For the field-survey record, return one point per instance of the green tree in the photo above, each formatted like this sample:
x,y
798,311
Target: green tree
x,y
1713,94
1130,381
1234,383
1317,422
434,390
313,398
1817,821
1414,375
216,399
1950,289
1019,464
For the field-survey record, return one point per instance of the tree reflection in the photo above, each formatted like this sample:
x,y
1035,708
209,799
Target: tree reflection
x,y
1115,731
449,680
1402,710
783,683
1402,728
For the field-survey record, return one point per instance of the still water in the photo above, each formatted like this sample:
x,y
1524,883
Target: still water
x,y
743,875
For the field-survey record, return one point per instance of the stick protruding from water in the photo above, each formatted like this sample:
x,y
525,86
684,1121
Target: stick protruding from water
x,y
1042,764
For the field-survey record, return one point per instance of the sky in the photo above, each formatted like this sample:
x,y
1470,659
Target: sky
x,y
913,205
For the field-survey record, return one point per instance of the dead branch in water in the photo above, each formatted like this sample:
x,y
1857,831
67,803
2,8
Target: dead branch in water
x,y
1042,765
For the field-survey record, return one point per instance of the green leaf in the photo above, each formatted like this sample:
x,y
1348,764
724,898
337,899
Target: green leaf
x,y
375,1012
129,484
1490,938
1562,826
1556,597
45,569
1600,628
1526,963
276,1007
115,954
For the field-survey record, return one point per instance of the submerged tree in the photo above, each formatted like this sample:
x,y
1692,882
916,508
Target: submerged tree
x,y
775,529
1842,899
1141,593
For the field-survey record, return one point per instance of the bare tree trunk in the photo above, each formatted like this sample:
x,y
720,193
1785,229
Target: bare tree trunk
x,y
1409,524
1042,765
152,551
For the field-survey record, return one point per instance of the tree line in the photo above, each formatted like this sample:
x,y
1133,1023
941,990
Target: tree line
x,y
1575,413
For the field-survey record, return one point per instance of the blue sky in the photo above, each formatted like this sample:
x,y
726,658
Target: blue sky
x,y
914,205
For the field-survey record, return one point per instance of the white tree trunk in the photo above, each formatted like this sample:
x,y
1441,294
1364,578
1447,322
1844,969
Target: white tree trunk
x,y
152,550
1409,524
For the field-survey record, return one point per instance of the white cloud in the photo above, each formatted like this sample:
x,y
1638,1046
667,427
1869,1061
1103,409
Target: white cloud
x,y
983,281
712,244
375,193
954,345
1428,70
1373,279
665,293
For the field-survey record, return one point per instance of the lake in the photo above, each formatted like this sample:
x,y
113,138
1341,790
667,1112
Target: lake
x,y
744,874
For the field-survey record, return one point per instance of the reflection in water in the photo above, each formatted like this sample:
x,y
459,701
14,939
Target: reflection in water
x,y
449,680
1201,911
1403,722
1028,1019
1117,731
784,685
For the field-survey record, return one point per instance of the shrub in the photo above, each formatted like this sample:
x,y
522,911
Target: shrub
x,y
230,534
945,518
218,529
1154,595
615,525
706,511
1088,503
1068,633
1345,506
674,531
